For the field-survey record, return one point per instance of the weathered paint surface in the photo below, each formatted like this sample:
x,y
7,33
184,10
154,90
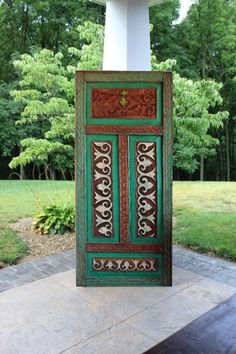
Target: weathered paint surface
x,y
124,103
124,178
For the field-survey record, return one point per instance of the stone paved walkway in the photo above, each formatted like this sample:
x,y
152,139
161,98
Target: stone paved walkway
x,y
53,316
24,273
210,267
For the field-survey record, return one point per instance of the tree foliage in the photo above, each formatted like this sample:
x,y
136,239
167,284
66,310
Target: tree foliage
x,y
47,24
207,38
193,120
46,91
47,40
9,113
163,39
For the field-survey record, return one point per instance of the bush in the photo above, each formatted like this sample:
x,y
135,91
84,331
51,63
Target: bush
x,y
55,219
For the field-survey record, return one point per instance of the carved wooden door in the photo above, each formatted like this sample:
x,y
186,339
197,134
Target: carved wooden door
x,y
123,178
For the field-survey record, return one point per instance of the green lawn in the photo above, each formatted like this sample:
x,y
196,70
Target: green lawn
x,y
19,199
11,246
205,217
204,213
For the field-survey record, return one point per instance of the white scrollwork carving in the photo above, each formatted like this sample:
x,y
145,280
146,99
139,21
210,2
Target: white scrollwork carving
x,y
102,188
125,264
146,190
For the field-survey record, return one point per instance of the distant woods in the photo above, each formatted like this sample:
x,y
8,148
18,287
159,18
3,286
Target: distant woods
x,y
42,43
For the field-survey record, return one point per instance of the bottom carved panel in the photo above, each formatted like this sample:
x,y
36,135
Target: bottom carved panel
x,y
132,265
125,264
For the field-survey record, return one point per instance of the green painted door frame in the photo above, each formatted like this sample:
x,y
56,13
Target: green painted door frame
x,y
123,178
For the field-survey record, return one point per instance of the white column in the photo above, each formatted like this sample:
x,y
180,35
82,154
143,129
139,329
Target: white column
x,y
127,35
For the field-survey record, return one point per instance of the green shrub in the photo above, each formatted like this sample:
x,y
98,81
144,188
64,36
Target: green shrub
x,y
55,219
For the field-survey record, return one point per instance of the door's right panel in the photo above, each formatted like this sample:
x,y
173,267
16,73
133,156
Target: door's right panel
x,y
145,162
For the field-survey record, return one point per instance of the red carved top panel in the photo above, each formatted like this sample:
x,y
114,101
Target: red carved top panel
x,y
124,103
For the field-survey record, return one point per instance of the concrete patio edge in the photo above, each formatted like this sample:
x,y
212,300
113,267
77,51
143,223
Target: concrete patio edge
x,y
210,267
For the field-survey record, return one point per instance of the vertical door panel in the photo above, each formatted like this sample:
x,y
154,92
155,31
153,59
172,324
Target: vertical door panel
x,y
145,188
102,188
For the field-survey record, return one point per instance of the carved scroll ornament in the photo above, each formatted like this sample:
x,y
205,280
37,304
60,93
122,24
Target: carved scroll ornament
x,y
102,189
124,103
125,264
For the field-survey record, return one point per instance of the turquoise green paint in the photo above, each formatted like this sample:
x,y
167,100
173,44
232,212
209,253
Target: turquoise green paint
x,y
132,188
99,274
129,122
86,81
115,179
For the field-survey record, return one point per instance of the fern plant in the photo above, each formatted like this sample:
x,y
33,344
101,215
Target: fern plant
x,y
54,219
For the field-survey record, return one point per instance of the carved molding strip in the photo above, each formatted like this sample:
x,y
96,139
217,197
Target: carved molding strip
x,y
124,247
146,189
106,264
124,188
102,189
123,129
124,103
168,175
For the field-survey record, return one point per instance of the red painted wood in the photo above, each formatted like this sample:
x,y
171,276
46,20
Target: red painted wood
x,y
124,247
124,188
96,148
147,151
124,103
123,129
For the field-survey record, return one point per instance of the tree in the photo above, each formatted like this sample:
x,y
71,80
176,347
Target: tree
x,y
9,113
163,41
46,89
193,120
26,27
49,24
47,95
208,38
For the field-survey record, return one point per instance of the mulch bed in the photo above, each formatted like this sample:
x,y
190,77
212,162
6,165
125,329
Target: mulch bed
x,y
41,245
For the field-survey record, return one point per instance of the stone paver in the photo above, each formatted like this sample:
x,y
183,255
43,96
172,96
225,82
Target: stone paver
x,y
210,267
43,312
24,273
53,316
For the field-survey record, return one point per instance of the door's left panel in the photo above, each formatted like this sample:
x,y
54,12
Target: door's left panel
x,y
102,188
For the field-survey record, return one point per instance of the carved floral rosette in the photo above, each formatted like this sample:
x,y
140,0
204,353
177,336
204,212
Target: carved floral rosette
x,y
102,189
146,189
125,264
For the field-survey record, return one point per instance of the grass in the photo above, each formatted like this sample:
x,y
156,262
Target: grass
x,y
19,199
205,217
11,246
205,213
